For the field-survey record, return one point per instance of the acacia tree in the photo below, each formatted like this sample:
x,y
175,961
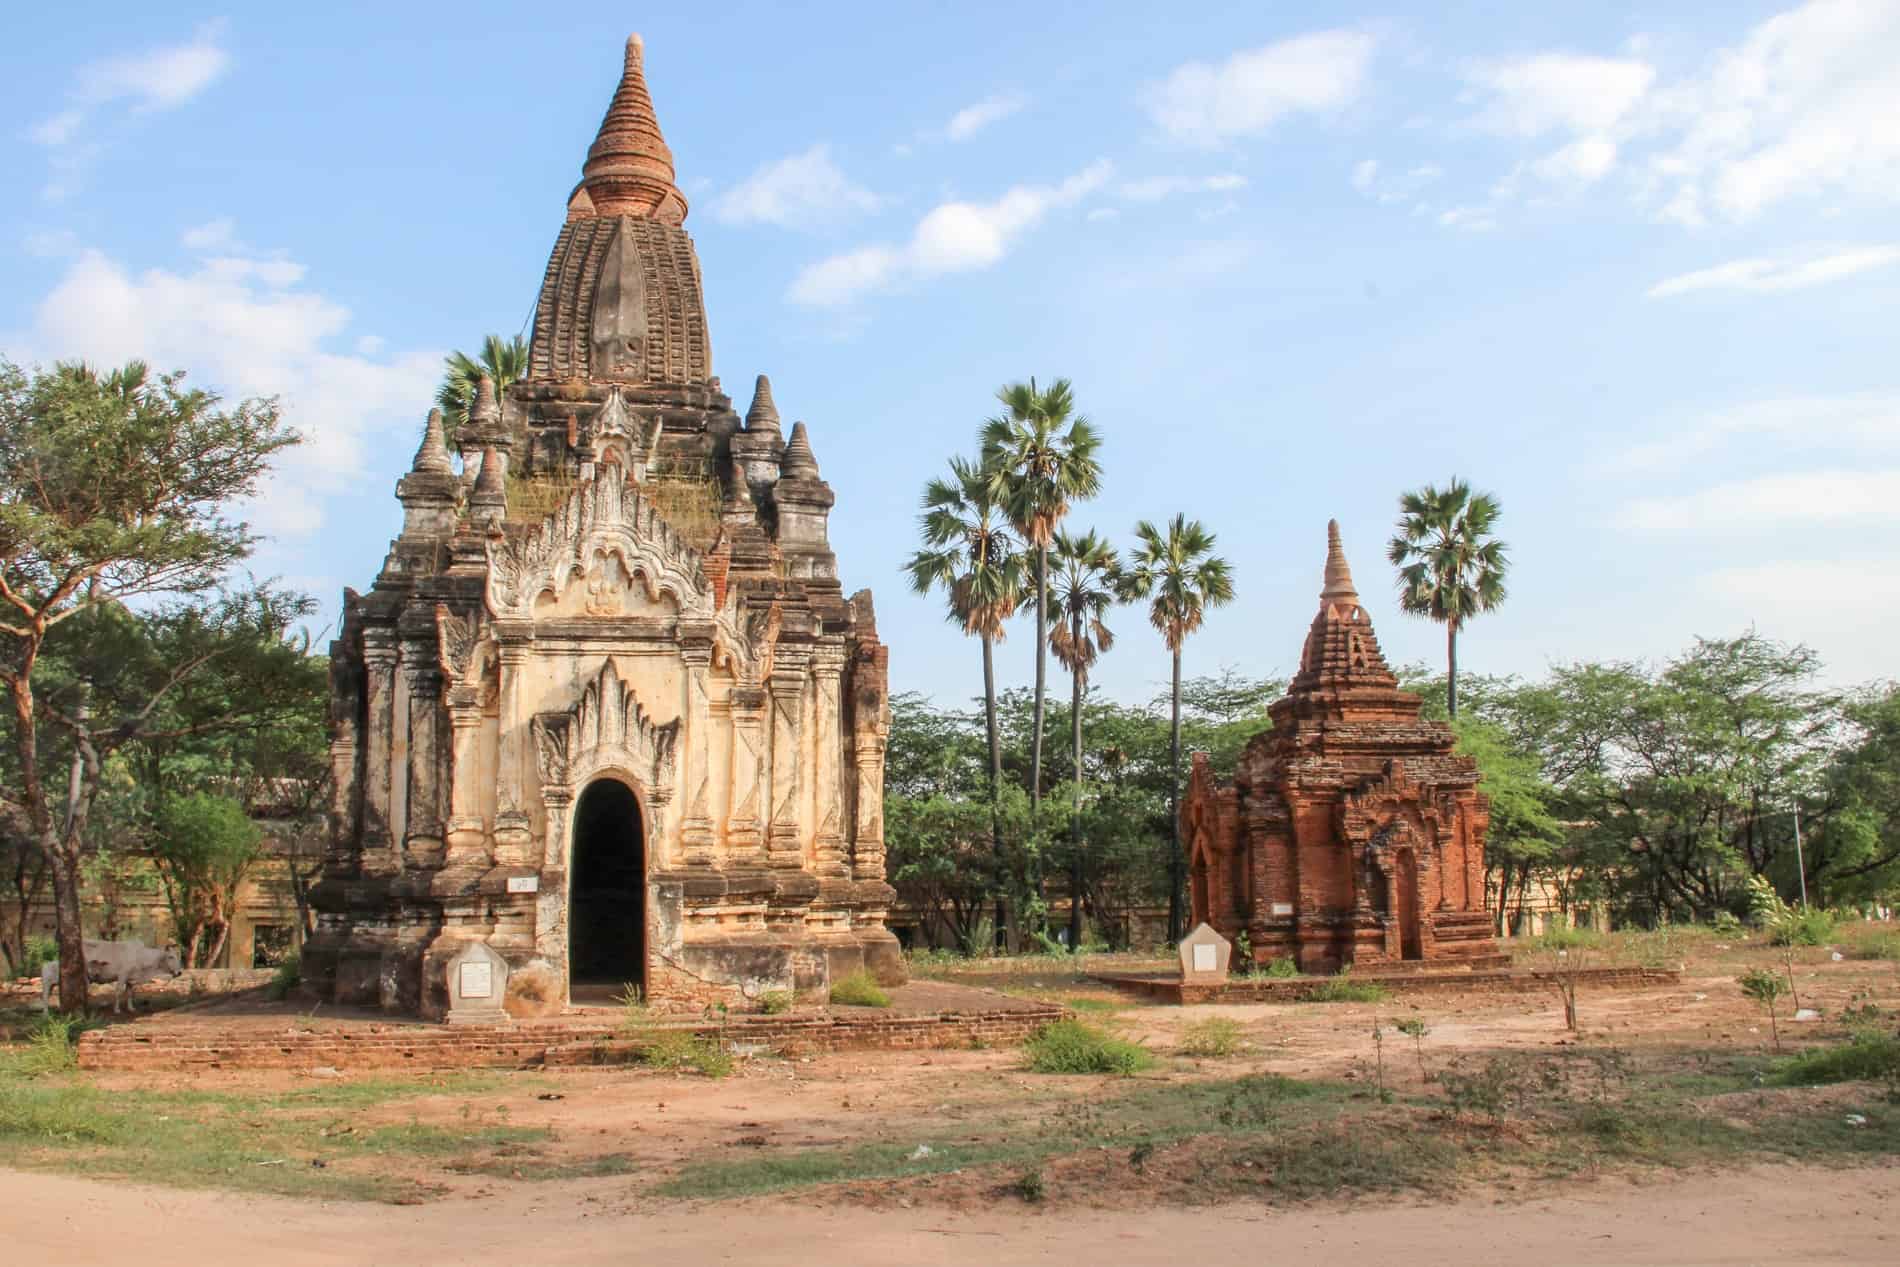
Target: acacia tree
x,y
1085,583
1040,456
502,361
1179,574
204,847
113,490
1450,567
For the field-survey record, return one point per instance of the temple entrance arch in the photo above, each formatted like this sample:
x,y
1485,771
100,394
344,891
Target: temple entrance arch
x,y
607,892
1410,945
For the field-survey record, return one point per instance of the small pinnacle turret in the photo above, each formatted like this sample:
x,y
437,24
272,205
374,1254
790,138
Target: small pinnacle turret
x,y
799,462
432,457
490,498
1338,587
763,414
485,415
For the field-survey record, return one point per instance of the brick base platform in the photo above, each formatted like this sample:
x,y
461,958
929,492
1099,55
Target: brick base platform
x,y
1166,988
153,1045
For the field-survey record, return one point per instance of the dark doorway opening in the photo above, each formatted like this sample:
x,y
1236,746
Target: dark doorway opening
x,y
606,893
1409,943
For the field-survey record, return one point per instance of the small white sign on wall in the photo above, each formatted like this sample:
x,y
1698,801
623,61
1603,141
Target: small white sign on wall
x,y
1204,959
1283,908
477,981
524,884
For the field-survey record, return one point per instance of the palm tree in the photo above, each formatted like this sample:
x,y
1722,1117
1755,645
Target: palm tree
x,y
969,554
1040,455
1181,576
504,361
1084,584
1450,567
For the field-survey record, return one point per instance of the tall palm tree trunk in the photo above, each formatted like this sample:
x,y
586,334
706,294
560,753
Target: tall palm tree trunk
x,y
1451,668
1175,868
1075,817
1042,662
996,786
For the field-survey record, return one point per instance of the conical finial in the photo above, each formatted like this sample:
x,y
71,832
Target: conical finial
x,y
1338,575
763,415
491,493
799,462
486,412
629,169
432,458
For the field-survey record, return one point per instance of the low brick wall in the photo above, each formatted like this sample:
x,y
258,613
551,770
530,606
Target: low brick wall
x,y
1297,989
153,1046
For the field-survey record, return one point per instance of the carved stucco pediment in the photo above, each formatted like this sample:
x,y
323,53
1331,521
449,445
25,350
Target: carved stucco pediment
x,y
622,437
606,517
607,728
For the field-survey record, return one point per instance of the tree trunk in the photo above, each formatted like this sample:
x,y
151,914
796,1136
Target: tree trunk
x,y
71,934
1042,661
1176,869
1451,668
1075,817
996,790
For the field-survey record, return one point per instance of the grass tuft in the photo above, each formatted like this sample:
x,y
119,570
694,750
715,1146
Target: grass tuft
x,y
860,989
1073,1047
1342,989
681,1050
1215,1037
1866,1058
776,1002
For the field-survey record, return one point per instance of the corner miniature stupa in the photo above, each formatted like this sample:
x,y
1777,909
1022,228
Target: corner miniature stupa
x,y
607,708
1351,832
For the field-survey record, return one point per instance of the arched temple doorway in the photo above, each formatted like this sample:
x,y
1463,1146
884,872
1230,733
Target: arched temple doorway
x,y
1409,943
606,894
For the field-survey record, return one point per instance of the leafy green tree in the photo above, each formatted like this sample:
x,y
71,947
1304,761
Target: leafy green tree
x,y
969,554
1040,456
1085,583
1450,566
1524,834
1852,850
204,846
502,361
113,491
1181,577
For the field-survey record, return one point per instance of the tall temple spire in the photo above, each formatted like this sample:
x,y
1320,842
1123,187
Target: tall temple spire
x,y
1339,586
629,169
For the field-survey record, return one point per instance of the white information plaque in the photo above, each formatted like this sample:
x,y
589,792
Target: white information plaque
x,y
524,884
1204,959
477,981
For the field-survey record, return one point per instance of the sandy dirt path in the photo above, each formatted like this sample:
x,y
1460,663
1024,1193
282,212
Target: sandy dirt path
x,y
1778,1215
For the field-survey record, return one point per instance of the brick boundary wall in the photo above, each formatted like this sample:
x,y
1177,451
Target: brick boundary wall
x,y
1296,989
140,1048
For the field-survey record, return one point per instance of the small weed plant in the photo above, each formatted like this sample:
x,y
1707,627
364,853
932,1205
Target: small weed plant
x,y
1415,1028
679,1050
48,1048
633,1008
1867,1057
1213,1038
776,1002
1030,1188
1343,989
860,989
1765,986
1282,968
289,977
1074,1047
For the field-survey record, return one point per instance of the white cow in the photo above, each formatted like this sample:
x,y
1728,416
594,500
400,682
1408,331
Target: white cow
x,y
121,963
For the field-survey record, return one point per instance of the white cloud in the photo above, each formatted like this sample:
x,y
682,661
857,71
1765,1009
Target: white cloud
x,y
214,235
1582,162
241,325
1865,426
1156,188
1206,105
1478,219
1767,276
803,189
1557,92
1364,172
1805,104
1394,187
1103,213
953,237
1770,502
56,129
970,120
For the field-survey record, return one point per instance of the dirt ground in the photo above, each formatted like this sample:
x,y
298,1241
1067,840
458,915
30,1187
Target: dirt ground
x,y
655,1123
1778,1215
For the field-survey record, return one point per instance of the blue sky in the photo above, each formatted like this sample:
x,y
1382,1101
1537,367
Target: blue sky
x,y
1633,269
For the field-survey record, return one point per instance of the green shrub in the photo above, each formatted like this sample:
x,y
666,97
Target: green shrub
x,y
1810,927
1282,967
1869,1057
1030,1187
39,948
1214,1037
860,989
1727,924
680,1049
776,1002
289,977
48,1047
1073,1047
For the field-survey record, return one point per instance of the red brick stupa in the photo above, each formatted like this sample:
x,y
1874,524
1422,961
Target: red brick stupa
x,y
1351,832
